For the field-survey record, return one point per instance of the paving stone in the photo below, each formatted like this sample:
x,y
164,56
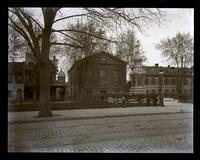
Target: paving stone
x,y
128,134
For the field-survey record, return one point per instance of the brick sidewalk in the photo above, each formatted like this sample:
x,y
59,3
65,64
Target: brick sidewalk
x,y
170,107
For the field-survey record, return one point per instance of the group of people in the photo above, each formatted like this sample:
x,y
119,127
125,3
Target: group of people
x,y
153,99
149,100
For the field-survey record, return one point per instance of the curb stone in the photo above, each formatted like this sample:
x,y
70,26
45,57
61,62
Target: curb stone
x,y
88,117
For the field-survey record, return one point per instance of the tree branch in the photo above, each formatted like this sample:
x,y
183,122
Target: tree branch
x,y
71,45
25,36
77,15
29,28
68,36
78,31
22,33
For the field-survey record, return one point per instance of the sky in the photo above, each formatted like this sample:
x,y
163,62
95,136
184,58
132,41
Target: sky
x,y
178,20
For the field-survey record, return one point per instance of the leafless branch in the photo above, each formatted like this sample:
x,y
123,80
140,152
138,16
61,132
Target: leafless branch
x,y
72,16
67,35
71,45
78,31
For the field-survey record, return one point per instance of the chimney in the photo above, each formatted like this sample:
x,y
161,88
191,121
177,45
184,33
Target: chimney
x,y
156,65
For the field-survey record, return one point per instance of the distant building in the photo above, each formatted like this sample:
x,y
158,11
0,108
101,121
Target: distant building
x,y
60,87
16,80
176,81
147,79
97,75
23,80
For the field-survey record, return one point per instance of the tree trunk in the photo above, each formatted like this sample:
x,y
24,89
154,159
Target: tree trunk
x,y
44,106
44,64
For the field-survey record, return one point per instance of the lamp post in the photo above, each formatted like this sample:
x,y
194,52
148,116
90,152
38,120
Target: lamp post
x,y
161,83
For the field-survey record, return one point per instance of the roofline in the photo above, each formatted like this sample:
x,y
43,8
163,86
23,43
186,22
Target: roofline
x,y
95,54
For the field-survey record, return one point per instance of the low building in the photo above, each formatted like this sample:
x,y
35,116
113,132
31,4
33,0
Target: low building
x,y
98,75
175,81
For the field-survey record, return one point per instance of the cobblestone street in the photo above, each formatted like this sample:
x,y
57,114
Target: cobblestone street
x,y
164,133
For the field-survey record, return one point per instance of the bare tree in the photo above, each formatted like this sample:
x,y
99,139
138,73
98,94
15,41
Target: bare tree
x,y
38,34
90,44
179,51
16,45
125,48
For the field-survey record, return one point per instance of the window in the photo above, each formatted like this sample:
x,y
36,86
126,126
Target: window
x,y
29,78
51,78
116,91
116,76
9,93
89,73
185,91
133,81
185,81
19,93
173,81
139,81
166,90
18,78
173,91
102,74
88,92
146,81
103,59
103,80
153,91
153,81
102,92
166,81
10,78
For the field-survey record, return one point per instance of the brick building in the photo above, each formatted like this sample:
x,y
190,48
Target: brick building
x,y
97,75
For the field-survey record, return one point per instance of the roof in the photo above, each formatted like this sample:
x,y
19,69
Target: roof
x,y
138,71
96,54
152,70
18,67
15,67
